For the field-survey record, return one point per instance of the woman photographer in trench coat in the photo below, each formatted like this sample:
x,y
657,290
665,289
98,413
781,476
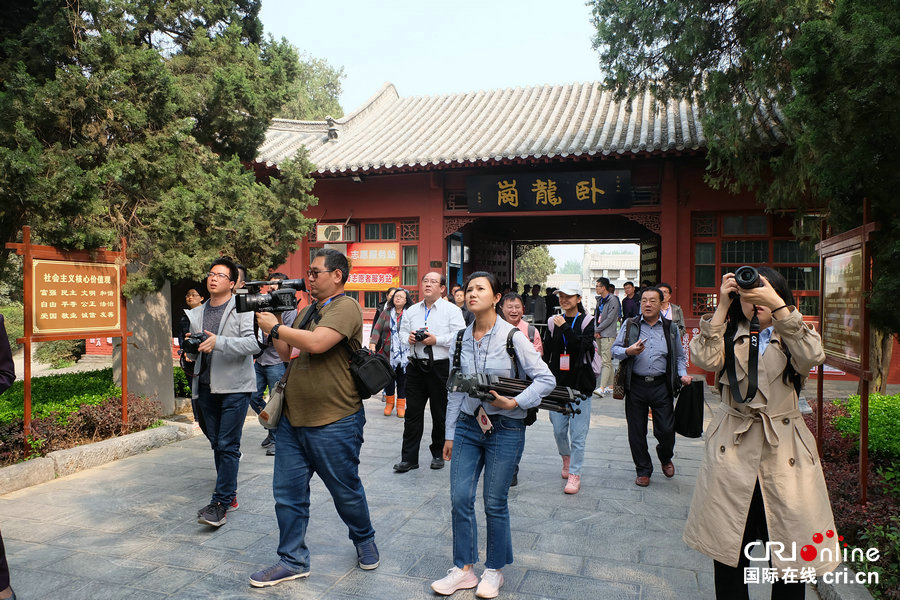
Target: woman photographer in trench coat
x,y
761,477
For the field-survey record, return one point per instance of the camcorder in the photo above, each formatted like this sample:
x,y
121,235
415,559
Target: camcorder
x,y
280,300
747,278
191,345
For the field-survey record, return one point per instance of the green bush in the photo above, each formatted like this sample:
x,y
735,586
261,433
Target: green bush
x,y
14,320
884,423
182,385
59,353
60,394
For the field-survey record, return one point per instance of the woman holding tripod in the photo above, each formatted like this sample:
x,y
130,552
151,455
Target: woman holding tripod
x,y
761,477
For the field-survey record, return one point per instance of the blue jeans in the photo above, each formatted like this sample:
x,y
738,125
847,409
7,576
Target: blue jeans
x,y
571,432
332,451
498,454
222,421
266,376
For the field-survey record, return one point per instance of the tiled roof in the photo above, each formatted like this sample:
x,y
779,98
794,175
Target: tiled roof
x,y
390,133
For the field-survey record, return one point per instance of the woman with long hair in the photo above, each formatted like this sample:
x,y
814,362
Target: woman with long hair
x,y
386,339
495,447
761,478
569,351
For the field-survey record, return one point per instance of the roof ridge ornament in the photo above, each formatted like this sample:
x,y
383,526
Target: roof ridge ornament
x,y
332,128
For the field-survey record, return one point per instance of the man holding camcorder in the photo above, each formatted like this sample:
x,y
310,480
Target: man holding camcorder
x,y
321,428
222,345
429,328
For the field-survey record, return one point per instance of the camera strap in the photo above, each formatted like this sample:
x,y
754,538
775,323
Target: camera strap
x,y
752,363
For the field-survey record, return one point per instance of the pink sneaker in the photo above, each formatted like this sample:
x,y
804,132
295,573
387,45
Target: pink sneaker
x,y
573,485
491,580
456,579
565,469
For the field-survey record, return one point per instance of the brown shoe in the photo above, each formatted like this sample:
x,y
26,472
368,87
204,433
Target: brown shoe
x,y
642,481
668,469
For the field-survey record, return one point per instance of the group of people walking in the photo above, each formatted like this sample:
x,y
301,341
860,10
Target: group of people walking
x,y
752,444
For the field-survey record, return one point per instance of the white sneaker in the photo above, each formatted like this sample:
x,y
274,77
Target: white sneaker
x,y
491,581
599,392
456,579
608,390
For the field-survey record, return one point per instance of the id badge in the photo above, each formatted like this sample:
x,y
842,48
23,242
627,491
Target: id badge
x,y
487,428
563,362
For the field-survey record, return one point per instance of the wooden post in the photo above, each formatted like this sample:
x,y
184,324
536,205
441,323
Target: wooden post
x,y
29,328
864,364
124,271
820,383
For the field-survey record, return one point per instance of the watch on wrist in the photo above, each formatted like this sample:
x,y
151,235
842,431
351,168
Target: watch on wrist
x,y
274,333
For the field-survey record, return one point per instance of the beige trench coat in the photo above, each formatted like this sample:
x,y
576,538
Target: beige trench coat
x,y
765,439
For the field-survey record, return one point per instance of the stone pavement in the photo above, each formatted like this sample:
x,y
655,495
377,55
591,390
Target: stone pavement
x,y
128,529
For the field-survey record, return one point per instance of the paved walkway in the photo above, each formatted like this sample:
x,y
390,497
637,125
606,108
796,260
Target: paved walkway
x,y
128,529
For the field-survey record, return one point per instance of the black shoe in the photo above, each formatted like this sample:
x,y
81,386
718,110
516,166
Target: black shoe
x,y
268,441
437,463
213,514
270,451
515,479
403,467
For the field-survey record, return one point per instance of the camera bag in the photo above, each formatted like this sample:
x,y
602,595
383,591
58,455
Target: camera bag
x,y
371,372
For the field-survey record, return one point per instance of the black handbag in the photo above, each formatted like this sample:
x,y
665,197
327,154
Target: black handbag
x,y
371,372
689,410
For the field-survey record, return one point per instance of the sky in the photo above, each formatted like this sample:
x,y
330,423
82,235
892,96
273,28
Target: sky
x,y
425,47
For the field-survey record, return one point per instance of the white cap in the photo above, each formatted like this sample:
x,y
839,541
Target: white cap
x,y
570,288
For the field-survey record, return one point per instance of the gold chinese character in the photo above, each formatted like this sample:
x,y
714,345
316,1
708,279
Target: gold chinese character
x,y
545,192
507,193
585,190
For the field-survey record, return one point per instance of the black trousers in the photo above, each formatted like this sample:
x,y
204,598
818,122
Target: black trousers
x,y
730,580
4,567
423,385
640,398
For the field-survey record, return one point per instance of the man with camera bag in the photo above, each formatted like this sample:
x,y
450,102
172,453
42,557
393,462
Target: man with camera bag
x,y
321,429
222,345
429,328
655,366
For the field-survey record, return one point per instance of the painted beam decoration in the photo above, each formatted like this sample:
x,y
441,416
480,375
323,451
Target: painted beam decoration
x,y
550,191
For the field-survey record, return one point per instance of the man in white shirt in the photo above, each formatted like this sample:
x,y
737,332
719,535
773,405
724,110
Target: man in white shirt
x,y
429,327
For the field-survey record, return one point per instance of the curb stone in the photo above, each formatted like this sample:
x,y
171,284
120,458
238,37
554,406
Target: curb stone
x,y
66,462
843,591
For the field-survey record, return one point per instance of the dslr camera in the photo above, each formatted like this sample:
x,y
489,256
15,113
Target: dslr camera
x,y
191,344
421,334
277,301
747,278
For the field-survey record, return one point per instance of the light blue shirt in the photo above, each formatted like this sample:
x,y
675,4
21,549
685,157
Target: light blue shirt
x,y
652,361
489,355
765,336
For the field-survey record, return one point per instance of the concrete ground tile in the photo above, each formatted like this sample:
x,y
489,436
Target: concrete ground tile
x,y
585,546
28,530
120,571
569,587
43,584
22,555
430,567
184,555
663,550
97,590
104,544
371,584
167,580
233,538
427,527
666,578
548,561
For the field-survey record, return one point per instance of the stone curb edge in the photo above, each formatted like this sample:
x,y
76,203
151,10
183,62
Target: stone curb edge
x,y
72,460
843,591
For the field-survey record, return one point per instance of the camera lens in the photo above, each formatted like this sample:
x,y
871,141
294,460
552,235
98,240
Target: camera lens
x,y
747,277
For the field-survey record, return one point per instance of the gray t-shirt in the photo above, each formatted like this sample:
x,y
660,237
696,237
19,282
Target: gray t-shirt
x,y
212,318
270,356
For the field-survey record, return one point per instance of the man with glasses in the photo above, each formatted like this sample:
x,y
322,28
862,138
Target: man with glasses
x,y
321,428
429,328
223,382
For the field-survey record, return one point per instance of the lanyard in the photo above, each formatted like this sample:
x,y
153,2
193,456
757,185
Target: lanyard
x,y
486,350
427,312
565,342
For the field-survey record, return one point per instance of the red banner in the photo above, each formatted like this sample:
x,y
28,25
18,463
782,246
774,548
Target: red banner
x,y
374,254
372,279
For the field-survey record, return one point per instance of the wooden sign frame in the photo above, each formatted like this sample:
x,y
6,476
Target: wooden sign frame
x,y
30,253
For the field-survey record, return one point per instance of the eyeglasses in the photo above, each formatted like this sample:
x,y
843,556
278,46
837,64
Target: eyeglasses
x,y
438,281
312,274
219,275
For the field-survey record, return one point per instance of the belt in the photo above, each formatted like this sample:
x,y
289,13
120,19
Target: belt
x,y
424,362
648,378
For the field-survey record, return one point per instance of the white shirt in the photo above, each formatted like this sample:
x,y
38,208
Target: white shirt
x,y
444,319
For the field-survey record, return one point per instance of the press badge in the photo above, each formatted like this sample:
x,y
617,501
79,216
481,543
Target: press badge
x,y
563,362
487,428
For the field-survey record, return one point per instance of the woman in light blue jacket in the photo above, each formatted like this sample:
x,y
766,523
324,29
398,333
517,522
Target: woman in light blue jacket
x,y
496,452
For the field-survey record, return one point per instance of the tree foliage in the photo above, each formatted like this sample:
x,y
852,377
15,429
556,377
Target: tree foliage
x,y
315,93
137,119
822,76
534,266
572,267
